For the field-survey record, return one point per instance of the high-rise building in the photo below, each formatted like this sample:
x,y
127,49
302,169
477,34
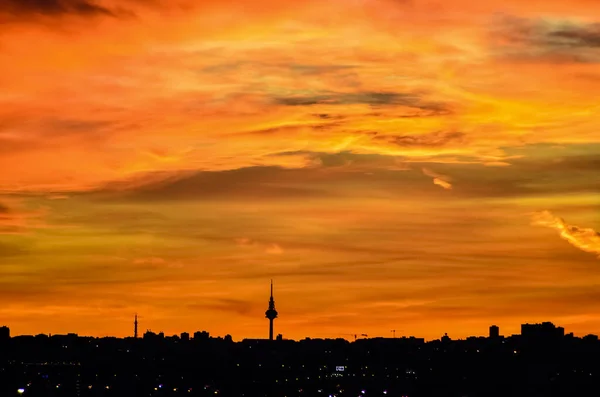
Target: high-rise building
x,y
494,332
4,333
185,336
271,313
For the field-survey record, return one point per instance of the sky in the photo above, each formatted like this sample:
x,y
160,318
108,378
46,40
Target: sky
x,y
422,166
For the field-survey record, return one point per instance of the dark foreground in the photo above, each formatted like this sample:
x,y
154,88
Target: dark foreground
x,y
516,366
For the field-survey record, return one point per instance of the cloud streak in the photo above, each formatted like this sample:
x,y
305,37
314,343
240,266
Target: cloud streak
x,y
438,179
53,8
553,40
18,221
586,239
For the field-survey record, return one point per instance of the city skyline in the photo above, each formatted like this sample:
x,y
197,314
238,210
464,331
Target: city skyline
x,y
419,166
494,331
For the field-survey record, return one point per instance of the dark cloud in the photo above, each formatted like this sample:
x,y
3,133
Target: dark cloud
x,y
326,116
225,305
298,69
578,163
523,178
578,36
34,292
327,174
24,8
3,210
259,182
557,40
306,69
434,139
11,250
372,98
73,126
290,129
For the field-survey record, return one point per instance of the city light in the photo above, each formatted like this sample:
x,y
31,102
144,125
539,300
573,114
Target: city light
x,y
21,391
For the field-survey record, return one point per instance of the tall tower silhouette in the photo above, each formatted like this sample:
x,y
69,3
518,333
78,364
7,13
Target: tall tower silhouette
x,y
271,313
135,327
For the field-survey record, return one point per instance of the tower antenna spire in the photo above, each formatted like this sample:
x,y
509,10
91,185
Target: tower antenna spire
x,y
135,327
271,313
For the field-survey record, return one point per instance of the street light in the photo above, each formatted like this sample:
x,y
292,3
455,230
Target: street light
x,y
20,391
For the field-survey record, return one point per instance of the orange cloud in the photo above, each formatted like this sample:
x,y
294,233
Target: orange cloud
x,y
438,179
585,239
274,249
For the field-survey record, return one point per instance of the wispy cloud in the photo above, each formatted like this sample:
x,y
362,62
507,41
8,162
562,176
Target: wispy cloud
x,y
586,239
438,179
431,140
550,40
32,8
268,248
18,220
274,249
365,98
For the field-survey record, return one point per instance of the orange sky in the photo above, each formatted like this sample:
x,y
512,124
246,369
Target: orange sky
x,y
424,166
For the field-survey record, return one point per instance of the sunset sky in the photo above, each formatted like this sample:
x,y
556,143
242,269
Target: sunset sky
x,y
419,165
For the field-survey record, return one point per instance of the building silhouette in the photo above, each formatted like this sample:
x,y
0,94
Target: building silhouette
x,y
201,335
271,313
494,332
4,333
542,332
154,365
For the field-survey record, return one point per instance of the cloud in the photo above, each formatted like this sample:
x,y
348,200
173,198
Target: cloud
x,y
587,240
438,179
58,197
349,160
302,70
432,140
27,8
16,220
149,261
274,249
373,98
251,182
154,263
553,40
245,242
271,248
235,306
11,250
